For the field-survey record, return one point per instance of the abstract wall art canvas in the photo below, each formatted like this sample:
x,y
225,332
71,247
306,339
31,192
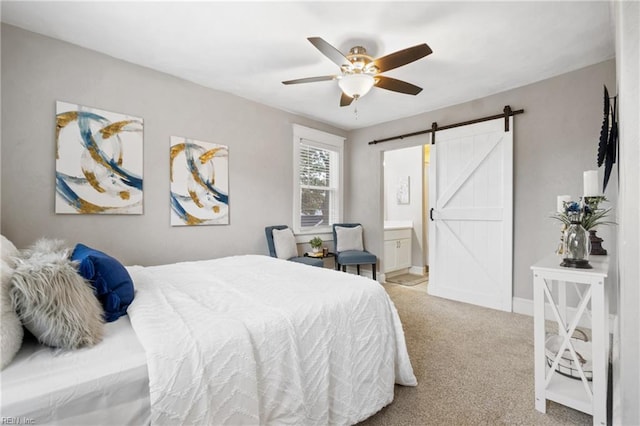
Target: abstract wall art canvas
x,y
98,161
199,173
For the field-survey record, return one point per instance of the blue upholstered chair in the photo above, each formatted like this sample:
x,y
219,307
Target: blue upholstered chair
x,y
300,259
353,257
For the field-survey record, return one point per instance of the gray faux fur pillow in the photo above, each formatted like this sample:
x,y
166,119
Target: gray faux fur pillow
x,y
52,299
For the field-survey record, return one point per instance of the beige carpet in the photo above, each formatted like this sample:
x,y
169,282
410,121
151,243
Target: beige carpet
x,y
407,279
474,367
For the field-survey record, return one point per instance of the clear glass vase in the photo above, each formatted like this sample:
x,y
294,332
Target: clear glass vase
x,y
576,244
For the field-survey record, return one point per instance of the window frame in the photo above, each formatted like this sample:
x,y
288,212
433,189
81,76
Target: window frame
x,y
323,140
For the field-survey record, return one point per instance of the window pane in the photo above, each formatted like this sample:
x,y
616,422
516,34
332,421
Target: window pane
x,y
315,207
317,181
315,166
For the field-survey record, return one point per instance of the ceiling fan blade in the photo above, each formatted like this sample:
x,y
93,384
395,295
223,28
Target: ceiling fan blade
x,y
396,85
402,57
345,100
329,51
311,79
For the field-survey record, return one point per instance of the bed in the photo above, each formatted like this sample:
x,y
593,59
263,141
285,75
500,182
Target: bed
x,y
237,340
81,387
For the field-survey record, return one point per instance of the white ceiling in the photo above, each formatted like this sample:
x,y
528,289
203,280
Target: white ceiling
x,y
248,49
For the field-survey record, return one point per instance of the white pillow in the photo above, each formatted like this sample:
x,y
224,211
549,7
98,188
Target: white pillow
x,y
11,331
8,251
349,238
284,243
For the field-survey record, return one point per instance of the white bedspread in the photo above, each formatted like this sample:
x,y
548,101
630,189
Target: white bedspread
x,y
103,385
257,340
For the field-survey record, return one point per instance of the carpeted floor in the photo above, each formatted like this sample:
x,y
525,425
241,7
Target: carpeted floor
x,y
474,367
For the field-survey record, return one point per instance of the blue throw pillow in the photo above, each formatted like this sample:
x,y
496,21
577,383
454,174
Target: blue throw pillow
x,y
111,281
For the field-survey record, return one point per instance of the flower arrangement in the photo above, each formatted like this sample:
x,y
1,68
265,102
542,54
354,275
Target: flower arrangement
x,y
575,245
587,211
316,242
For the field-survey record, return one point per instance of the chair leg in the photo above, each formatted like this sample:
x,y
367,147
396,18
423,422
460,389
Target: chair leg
x,y
337,265
358,268
344,268
373,269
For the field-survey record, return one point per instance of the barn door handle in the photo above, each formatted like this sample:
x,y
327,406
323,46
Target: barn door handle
x,y
431,214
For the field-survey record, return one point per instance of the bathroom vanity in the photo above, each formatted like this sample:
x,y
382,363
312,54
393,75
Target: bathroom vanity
x,y
397,245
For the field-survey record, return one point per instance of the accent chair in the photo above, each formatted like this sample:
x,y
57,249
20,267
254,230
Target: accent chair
x,y
349,248
294,258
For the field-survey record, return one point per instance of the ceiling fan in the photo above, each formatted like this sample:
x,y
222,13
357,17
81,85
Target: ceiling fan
x,y
360,72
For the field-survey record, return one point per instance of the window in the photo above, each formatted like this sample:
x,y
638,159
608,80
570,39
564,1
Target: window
x,y
317,180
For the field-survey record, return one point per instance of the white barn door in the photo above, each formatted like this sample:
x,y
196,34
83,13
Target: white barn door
x,y
471,215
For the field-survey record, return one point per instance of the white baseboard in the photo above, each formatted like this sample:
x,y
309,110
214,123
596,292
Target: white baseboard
x,y
525,307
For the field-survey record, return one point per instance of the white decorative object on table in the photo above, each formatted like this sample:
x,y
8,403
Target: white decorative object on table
x,y
590,188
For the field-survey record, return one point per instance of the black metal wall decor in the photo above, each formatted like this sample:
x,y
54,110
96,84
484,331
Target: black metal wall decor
x,y
608,144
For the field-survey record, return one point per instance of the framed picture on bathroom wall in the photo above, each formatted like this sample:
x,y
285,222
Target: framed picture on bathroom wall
x,y
402,191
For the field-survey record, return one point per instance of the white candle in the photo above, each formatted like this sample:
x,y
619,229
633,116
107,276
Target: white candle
x,y
591,183
561,200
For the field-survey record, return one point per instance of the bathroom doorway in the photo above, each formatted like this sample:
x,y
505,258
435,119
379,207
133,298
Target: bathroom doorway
x,y
405,257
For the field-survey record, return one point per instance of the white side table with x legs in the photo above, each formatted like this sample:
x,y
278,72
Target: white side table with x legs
x,y
589,396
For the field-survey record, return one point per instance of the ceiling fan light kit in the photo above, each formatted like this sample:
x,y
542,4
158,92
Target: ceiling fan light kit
x,y
356,85
360,72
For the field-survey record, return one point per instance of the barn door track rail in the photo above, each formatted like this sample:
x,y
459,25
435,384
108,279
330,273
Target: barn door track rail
x,y
506,113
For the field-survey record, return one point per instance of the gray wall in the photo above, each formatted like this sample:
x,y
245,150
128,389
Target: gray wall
x,y
37,71
555,140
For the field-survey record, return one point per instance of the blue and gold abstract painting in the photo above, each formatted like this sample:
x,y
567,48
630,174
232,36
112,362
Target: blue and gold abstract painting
x,y
199,173
98,161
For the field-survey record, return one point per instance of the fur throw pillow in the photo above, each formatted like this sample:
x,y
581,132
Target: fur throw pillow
x,y
11,331
53,301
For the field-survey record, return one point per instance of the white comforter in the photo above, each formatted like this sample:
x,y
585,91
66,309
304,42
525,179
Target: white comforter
x,y
257,340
